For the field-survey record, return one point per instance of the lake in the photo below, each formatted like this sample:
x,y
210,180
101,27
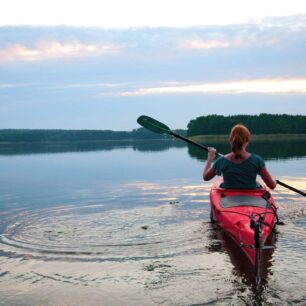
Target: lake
x,y
127,223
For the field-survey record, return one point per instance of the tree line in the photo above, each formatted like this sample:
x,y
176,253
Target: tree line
x,y
258,124
204,125
37,135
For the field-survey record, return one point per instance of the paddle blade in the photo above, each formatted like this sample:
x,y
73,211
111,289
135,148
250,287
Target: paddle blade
x,y
153,125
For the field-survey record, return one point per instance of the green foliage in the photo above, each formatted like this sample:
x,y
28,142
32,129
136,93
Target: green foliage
x,y
258,124
15,135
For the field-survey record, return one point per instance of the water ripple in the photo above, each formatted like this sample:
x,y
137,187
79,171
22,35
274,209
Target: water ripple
x,y
91,233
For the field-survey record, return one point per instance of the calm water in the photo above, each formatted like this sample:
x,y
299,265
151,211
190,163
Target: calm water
x,y
128,224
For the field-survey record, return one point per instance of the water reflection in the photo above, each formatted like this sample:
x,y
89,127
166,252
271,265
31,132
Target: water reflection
x,y
284,149
165,243
242,267
269,149
61,147
98,231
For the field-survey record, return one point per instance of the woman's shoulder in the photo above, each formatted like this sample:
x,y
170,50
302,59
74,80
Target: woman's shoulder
x,y
256,156
220,161
257,159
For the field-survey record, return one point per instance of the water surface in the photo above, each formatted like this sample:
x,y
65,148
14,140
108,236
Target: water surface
x,y
127,223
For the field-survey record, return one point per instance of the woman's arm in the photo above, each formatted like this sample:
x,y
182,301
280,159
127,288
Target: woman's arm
x,y
209,171
267,178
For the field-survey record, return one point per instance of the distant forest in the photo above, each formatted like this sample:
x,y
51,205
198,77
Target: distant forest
x,y
258,124
29,135
204,125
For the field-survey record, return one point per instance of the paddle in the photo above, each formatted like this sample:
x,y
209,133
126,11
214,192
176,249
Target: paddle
x,y
291,188
160,128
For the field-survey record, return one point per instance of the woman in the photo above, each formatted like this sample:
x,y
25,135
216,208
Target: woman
x,y
239,167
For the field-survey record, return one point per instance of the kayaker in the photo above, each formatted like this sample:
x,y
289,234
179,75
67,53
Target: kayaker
x,y
239,167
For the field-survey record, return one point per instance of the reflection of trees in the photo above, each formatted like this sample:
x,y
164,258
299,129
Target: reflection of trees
x,y
157,145
267,149
86,146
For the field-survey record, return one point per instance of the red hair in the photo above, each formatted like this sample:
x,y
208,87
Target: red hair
x,y
240,135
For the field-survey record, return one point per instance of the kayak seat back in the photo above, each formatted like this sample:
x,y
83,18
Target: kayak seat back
x,y
243,200
258,186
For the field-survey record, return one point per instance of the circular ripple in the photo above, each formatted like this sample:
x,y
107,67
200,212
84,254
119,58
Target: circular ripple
x,y
92,233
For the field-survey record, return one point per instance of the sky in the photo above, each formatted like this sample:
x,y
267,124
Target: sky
x,y
101,64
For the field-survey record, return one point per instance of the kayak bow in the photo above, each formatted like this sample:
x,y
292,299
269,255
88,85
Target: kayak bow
x,y
247,216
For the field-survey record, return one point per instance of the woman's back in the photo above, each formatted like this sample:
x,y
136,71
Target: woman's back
x,y
239,168
239,175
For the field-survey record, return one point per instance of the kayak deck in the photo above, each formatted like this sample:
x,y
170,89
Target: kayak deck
x,y
247,216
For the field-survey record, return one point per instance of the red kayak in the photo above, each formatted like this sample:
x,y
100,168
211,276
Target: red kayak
x,y
247,216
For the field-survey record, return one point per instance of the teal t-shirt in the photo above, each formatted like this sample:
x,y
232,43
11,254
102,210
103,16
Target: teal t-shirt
x,y
240,176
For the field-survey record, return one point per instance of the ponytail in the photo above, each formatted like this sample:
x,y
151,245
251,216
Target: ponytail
x,y
237,144
239,136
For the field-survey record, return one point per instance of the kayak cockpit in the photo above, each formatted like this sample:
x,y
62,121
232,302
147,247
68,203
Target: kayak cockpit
x,y
243,200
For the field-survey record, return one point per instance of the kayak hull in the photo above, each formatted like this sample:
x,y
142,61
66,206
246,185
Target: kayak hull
x,y
239,211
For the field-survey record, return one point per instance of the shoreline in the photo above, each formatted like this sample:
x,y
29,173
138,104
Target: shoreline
x,y
198,138
254,137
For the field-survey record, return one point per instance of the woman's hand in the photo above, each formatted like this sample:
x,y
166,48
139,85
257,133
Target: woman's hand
x,y
209,171
211,153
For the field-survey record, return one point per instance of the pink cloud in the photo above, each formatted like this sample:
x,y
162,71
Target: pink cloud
x,y
54,50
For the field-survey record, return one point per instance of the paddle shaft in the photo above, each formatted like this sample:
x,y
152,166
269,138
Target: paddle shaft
x,y
191,142
291,188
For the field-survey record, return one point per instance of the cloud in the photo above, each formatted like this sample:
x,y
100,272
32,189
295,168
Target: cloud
x,y
4,86
261,86
203,44
265,32
238,41
54,50
11,85
32,43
